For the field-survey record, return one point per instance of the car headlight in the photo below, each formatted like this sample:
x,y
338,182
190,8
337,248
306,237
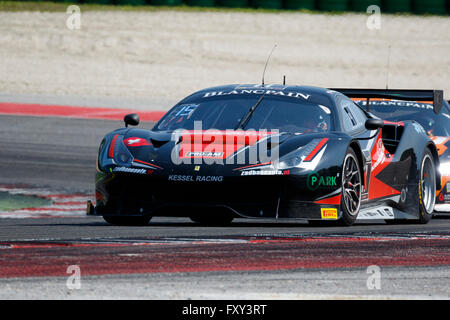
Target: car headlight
x,y
116,154
291,160
294,158
123,156
444,169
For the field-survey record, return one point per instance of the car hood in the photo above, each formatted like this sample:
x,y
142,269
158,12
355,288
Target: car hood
x,y
228,147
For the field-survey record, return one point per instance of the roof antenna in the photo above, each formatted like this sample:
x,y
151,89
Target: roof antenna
x,y
284,80
388,66
264,72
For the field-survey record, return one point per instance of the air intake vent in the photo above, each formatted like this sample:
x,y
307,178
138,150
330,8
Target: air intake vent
x,y
158,143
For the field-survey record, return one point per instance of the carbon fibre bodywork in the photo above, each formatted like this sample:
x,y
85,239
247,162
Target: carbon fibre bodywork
x,y
137,176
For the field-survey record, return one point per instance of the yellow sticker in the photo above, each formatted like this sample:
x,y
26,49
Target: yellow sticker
x,y
329,213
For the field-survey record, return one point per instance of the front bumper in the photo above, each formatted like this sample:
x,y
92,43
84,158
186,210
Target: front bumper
x,y
257,197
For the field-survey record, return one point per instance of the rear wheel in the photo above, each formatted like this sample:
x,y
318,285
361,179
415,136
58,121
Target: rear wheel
x,y
427,187
351,188
426,191
127,221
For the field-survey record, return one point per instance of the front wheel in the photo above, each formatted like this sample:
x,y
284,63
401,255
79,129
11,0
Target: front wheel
x,y
351,188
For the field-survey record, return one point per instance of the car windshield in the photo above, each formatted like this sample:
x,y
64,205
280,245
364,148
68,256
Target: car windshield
x,y
272,113
436,125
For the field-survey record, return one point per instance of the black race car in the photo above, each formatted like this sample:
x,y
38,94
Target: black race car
x,y
414,105
270,151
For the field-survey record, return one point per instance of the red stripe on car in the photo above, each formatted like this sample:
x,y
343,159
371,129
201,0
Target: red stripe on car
x,y
112,146
331,200
316,150
146,163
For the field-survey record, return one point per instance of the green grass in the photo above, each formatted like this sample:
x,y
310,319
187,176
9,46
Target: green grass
x,y
14,201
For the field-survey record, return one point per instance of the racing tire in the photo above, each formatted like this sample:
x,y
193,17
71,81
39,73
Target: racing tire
x,y
127,221
351,188
427,187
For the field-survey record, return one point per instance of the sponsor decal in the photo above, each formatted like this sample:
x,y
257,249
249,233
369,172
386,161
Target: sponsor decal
x,y
185,110
132,170
448,187
420,193
205,154
209,178
315,181
297,95
197,168
381,212
262,173
329,213
183,178
189,178
395,103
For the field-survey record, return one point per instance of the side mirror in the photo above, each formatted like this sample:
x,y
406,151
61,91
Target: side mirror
x,y
374,124
131,119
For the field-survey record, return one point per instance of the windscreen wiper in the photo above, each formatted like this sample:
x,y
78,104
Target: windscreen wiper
x,y
249,114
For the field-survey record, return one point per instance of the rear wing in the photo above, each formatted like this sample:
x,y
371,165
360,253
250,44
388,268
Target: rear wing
x,y
435,96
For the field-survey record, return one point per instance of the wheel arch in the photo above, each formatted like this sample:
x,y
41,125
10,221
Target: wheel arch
x,y
359,154
432,147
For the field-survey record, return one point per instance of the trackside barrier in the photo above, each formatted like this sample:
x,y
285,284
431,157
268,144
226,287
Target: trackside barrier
x,y
429,6
67,1
299,4
268,4
332,5
397,6
200,3
97,1
233,3
439,7
362,5
165,2
130,2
